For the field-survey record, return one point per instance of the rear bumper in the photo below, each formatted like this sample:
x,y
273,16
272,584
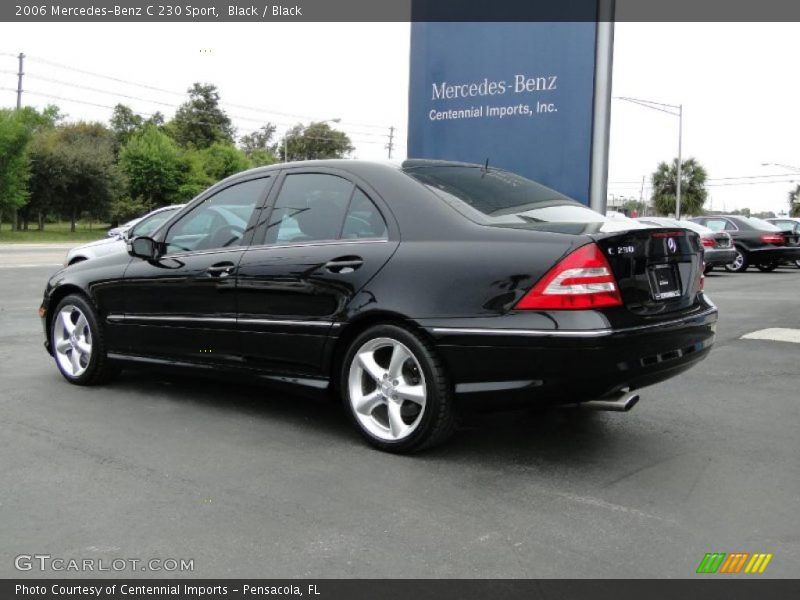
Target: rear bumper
x,y
572,365
773,254
717,257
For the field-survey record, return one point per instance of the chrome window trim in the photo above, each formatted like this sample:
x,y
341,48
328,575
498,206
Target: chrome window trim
x,y
317,243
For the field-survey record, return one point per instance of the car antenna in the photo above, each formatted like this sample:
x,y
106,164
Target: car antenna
x,y
485,167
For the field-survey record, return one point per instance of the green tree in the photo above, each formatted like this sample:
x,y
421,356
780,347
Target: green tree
x,y
693,187
631,205
318,140
153,165
15,166
794,202
17,131
201,122
124,123
222,160
259,146
73,170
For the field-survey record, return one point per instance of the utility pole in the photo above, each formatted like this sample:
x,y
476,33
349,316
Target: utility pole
x,y
390,145
641,199
20,73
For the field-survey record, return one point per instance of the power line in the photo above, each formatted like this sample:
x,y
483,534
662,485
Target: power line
x,y
146,114
725,178
172,106
181,94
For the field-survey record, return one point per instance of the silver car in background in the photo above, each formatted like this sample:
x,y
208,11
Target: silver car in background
x,y
718,249
111,245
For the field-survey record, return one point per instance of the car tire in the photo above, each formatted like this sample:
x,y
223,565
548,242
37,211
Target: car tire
x,y
768,268
77,343
708,269
740,263
396,390
797,263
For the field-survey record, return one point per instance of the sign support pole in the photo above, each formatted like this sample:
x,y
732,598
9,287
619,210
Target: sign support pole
x,y
604,58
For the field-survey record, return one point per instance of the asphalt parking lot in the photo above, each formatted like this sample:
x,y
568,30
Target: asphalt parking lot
x,y
251,481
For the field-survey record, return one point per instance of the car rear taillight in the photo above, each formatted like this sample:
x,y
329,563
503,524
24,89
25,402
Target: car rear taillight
x,y
772,238
582,280
707,242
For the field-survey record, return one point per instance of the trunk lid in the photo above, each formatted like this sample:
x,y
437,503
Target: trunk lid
x,y
658,270
722,240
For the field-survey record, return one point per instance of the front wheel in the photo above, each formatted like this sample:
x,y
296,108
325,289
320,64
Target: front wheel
x,y
77,343
396,390
767,268
739,264
797,263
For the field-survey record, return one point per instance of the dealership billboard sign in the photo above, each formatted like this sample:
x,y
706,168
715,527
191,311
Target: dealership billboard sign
x,y
524,96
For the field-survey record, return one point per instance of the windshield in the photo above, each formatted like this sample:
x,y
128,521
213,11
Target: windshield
x,y
495,196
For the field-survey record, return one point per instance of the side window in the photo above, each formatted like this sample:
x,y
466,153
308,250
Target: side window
x,y
730,226
220,221
363,220
310,207
716,224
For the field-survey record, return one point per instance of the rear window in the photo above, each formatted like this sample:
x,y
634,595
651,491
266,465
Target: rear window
x,y
759,224
495,196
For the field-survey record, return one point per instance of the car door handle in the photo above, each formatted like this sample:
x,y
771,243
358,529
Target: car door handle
x,y
344,264
222,269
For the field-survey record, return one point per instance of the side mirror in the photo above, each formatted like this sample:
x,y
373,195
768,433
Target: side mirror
x,y
143,247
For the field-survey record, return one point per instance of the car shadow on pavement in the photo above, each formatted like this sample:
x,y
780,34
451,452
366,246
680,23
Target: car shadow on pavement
x,y
530,435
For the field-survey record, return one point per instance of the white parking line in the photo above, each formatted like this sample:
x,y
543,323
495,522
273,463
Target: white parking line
x,y
775,334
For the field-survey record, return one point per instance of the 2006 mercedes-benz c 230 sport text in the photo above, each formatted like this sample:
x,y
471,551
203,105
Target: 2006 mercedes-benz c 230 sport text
x,y
402,287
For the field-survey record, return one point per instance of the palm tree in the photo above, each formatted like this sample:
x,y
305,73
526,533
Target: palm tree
x,y
693,187
794,202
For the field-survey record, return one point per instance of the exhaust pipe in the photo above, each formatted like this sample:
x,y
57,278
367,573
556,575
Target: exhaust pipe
x,y
620,403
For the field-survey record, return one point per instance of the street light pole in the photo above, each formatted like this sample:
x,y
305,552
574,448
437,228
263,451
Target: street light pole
x,y
675,111
680,164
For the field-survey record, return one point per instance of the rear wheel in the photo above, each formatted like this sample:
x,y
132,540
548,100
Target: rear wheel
x,y
708,269
77,343
739,264
797,263
766,268
396,390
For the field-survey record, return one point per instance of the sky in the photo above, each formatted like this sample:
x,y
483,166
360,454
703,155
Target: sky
x,y
738,84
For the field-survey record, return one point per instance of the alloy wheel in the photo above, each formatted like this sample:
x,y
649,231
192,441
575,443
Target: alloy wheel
x,y
72,340
387,389
737,263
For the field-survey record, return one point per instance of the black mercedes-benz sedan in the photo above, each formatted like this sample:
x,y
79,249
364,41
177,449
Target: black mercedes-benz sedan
x,y
403,288
756,241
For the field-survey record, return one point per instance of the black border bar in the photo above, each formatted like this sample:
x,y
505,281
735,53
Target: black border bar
x,y
708,587
394,10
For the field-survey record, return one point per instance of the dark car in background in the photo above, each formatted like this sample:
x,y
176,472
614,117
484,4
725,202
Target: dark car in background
x,y
400,287
790,228
757,242
718,249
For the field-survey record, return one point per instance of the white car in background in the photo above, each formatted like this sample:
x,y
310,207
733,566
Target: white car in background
x,y
116,232
111,245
